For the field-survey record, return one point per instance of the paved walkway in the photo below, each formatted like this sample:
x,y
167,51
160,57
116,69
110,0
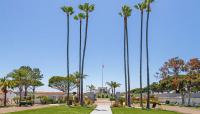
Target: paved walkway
x,y
103,107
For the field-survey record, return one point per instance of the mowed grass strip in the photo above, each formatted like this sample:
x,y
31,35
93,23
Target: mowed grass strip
x,y
57,110
140,111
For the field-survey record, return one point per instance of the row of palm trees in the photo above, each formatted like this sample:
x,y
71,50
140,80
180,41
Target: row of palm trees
x,y
86,9
125,13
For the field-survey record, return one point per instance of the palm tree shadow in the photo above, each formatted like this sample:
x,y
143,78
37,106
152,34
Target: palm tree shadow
x,y
100,110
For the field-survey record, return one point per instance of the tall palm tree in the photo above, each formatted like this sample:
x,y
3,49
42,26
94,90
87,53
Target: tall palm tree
x,y
126,12
69,11
87,8
5,84
148,3
80,17
141,7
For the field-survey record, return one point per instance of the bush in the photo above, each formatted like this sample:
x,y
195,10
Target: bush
x,y
43,99
121,101
167,102
61,100
116,104
50,101
99,96
112,99
87,101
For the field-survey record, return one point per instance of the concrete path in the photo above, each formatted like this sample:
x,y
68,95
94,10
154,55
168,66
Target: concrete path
x,y
103,107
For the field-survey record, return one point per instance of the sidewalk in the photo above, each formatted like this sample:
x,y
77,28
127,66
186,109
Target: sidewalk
x,y
103,107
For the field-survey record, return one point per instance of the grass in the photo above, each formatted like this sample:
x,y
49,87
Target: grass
x,y
139,111
57,110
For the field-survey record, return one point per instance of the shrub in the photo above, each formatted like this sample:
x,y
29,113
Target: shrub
x,y
167,102
87,101
116,104
112,99
121,101
43,99
99,96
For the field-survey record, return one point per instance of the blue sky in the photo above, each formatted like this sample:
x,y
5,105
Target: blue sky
x,y
33,32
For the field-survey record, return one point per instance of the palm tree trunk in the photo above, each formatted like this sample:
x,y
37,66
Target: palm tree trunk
x,y
112,92
77,91
33,95
25,91
68,85
189,95
83,59
147,55
183,97
80,49
128,71
125,63
20,94
5,97
141,40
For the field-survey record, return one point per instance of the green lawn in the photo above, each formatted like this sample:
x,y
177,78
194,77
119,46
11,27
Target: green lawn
x,y
57,110
139,111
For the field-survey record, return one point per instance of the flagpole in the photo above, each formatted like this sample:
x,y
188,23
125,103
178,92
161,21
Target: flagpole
x,y
102,76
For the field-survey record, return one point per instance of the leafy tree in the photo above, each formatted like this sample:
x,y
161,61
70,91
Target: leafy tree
x,y
141,7
125,13
25,78
21,77
166,84
193,76
87,8
148,9
69,11
61,83
36,78
5,84
155,87
136,91
175,68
